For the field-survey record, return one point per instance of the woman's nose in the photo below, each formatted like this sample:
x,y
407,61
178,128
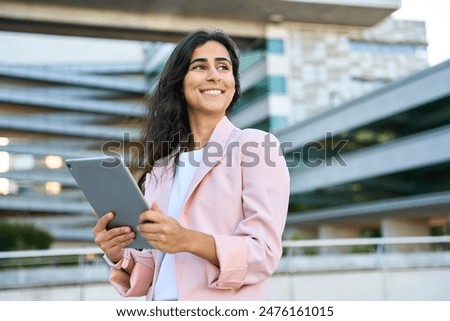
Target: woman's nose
x,y
213,74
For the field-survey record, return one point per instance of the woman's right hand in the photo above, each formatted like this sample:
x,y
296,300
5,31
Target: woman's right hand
x,y
112,241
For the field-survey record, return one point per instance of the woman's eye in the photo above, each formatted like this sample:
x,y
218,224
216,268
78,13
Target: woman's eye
x,y
202,67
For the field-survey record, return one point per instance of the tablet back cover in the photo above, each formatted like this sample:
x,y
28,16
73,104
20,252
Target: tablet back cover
x,y
109,187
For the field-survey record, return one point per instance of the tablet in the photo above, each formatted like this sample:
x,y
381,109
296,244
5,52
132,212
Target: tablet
x,y
109,187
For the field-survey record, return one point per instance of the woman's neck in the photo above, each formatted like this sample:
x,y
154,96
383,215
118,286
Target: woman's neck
x,y
202,128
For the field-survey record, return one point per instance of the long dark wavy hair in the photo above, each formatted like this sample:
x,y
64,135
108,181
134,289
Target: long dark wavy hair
x,y
166,125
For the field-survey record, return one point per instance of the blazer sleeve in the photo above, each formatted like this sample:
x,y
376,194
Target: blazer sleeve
x,y
252,253
141,266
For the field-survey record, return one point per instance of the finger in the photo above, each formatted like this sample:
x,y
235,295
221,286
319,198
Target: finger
x,y
149,228
119,240
114,237
150,216
103,222
155,207
156,240
167,228
115,252
116,231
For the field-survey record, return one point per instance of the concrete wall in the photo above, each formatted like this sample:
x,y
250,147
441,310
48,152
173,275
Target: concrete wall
x,y
326,70
391,277
414,284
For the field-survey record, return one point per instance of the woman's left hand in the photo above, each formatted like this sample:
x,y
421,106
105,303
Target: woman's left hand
x,y
162,231
167,235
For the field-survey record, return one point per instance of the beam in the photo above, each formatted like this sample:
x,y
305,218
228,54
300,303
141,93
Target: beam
x,y
46,204
253,113
423,149
101,82
49,126
55,147
118,22
167,20
60,102
42,176
433,204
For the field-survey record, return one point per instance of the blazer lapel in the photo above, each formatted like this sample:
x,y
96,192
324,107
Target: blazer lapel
x,y
214,151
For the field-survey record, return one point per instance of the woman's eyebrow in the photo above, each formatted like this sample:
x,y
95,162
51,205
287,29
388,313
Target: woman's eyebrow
x,y
205,60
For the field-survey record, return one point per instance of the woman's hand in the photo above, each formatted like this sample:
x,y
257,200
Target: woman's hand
x,y
113,241
162,231
167,235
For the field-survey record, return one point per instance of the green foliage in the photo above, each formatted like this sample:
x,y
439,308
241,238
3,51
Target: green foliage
x,y
298,235
369,233
15,237
438,230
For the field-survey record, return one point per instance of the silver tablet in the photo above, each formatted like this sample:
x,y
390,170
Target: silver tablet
x,y
109,187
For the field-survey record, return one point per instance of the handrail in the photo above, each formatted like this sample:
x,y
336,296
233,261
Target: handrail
x,y
286,244
50,252
367,241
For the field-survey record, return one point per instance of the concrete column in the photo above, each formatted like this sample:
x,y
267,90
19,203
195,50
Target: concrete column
x,y
300,233
278,73
336,232
393,227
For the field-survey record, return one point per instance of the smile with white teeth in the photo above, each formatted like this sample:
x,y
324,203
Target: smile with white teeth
x,y
211,92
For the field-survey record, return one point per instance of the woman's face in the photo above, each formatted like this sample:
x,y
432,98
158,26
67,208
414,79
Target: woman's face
x,y
209,84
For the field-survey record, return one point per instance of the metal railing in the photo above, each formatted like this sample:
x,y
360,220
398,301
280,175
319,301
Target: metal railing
x,y
377,241
287,244
49,253
379,253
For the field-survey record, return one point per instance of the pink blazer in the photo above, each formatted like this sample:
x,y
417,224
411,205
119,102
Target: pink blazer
x,y
239,195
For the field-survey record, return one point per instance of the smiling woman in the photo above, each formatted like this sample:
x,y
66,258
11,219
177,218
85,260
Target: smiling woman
x,y
218,195
190,64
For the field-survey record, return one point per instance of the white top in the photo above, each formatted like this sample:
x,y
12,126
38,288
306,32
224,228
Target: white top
x,y
166,283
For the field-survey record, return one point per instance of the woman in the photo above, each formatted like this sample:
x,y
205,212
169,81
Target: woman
x,y
218,194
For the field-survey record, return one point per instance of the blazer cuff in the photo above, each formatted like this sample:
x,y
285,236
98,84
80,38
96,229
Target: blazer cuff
x,y
138,282
232,253
123,262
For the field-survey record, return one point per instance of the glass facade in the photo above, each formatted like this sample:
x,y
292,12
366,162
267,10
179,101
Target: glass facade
x,y
275,46
425,118
388,48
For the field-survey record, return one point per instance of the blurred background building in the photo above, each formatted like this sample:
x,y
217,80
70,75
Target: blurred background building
x,y
347,89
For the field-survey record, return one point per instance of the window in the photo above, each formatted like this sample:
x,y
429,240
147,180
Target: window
x,y
388,48
275,46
